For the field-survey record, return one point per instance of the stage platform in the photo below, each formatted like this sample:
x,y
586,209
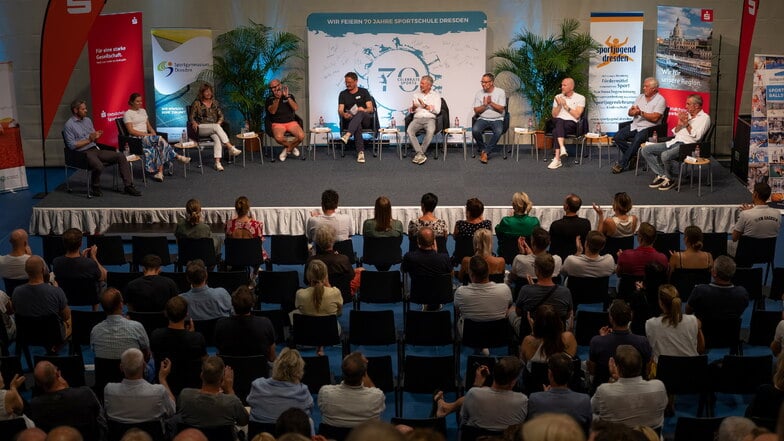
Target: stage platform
x,y
284,193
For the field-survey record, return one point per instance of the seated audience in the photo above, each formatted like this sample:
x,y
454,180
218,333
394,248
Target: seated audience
x,y
269,398
603,346
589,263
12,403
630,399
673,333
425,260
12,265
566,230
204,303
353,401
483,247
548,337
520,223
720,299
382,224
6,315
319,298
474,221
340,222
632,262
735,428
523,264
134,400
481,300
621,223
245,334
338,265
242,225
77,263
769,397
692,257
558,398
555,426
543,292
191,226
150,292
293,421
38,298
756,220
427,219
110,338
214,405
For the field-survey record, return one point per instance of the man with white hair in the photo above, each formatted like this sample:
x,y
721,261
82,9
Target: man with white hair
x,y
134,400
646,112
425,106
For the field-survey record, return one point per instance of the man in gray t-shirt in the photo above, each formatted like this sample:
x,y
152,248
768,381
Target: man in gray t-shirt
x,y
215,404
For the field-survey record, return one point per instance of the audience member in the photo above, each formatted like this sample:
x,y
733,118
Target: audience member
x,y
61,404
6,315
281,110
603,346
734,428
136,434
557,397
756,220
214,405
190,434
376,431
293,420
78,263
134,400
11,401
157,152
339,266
630,400
206,118
693,123
632,262
427,219
65,433
568,108
12,265
38,298
481,300
571,226
31,434
547,338
191,226
426,105
111,337
543,292
80,135
245,334
589,263
382,224
489,110
425,260
692,257
483,247
353,401
621,223
204,303
552,427
355,106
769,397
151,291
319,298
243,226
523,264
520,223
474,221
342,223
646,112
720,299
269,398
673,333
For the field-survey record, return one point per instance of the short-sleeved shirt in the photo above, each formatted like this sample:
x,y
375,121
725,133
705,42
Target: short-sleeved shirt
x,y
210,410
360,98
421,262
563,233
438,226
38,300
632,262
523,265
759,222
574,101
285,113
718,302
517,225
369,229
137,119
584,266
342,405
498,96
205,303
111,337
532,296
244,335
150,293
12,267
483,302
137,401
467,229
342,224
602,347
186,229
492,409
76,268
657,104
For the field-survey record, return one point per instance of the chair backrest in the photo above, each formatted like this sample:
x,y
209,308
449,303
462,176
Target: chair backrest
x,y
44,331
52,247
380,287
425,374
589,289
379,369
278,287
697,429
107,371
382,251
243,252
309,330
722,333
82,323
144,245
207,329
288,250
317,373
120,279
79,291
587,325
73,158
685,279
705,144
110,249
490,334
280,322
464,247
11,284
346,248
179,279
428,328
10,427
440,243
683,375
667,242
429,290
334,432
715,243
507,246
150,320
752,250
743,374
751,279
228,280
190,249
474,361
372,328
246,369
614,244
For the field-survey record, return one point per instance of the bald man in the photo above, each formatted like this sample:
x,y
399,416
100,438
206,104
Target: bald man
x,y
38,298
31,434
64,433
190,435
12,264
568,107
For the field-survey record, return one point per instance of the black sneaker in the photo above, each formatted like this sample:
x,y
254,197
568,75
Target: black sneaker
x,y
666,185
131,190
96,191
657,181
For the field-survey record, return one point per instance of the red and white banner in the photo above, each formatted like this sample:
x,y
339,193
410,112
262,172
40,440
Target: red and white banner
x,y
748,20
66,25
116,59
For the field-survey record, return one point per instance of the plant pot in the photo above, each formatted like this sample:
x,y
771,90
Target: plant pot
x,y
543,142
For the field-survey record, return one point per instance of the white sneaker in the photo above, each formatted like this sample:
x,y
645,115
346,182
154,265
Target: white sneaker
x,y
234,151
422,160
345,138
283,155
564,153
415,159
555,163
158,177
184,159
218,166
361,157
295,152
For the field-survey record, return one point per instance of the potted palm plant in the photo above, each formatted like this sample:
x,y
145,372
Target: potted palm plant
x,y
540,63
247,59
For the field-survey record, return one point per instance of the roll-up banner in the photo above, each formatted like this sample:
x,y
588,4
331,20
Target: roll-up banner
x,y
748,20
766,143
116,69
614,74
181,62
12,170
683,56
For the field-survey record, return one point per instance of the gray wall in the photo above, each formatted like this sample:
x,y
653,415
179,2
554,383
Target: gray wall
x,y
21,22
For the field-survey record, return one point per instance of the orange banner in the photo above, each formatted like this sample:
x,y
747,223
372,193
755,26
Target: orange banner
x,y
66,25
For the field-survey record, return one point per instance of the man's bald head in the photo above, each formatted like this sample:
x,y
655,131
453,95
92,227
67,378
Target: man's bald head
x,y
31,434
426,237
35,267
45,374
64,433
18,239
190,435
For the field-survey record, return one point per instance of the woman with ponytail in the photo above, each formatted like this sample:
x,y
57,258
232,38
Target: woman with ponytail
x,y
692,257
192,227
673,333
319,298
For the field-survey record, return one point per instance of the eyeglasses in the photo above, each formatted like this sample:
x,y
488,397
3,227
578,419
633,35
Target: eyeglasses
x,y
485,82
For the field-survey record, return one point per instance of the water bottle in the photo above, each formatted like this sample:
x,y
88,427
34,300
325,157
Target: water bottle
x,y
184,137
598,129
697,152
321,121
245,128
530,124
457,122
393,124
655,137
126,150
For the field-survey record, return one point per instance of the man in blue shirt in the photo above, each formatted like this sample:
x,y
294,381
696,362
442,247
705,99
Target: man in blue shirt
x,y
80,135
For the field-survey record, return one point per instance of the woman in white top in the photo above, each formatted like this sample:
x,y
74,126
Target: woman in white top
x,y
319,298
673,333
157,151
621,223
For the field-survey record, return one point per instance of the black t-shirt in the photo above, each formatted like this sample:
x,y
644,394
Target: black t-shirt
x,y
150,293
285,113
243,336
563,233
185,349
360,98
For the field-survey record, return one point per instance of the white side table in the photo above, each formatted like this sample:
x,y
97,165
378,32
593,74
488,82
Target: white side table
x,y
523,132
455,132
186,147
245,137
313,137
599,141
393,131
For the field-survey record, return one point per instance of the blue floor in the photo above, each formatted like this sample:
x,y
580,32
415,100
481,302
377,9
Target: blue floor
x,y
17,206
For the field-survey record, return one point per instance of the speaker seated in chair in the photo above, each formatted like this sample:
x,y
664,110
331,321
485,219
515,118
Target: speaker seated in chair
x,y
281,122
357,110
568,120
206,124
135,129
425,115
649,115
83,152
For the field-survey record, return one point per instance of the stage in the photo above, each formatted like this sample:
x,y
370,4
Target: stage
x,y
283,194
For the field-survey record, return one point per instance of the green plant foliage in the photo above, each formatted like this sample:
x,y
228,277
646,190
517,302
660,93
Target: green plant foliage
x,y
248,58
540,63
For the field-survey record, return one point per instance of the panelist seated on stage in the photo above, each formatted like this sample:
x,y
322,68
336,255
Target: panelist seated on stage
x,y
355,106
646,112
568,107
157,152
489,107
426,105
281,108
206,117
81,136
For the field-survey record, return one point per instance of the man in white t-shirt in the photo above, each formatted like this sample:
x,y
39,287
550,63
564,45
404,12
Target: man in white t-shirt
x,y
481,300
329,216
568,107
489,106
590,263
12,265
